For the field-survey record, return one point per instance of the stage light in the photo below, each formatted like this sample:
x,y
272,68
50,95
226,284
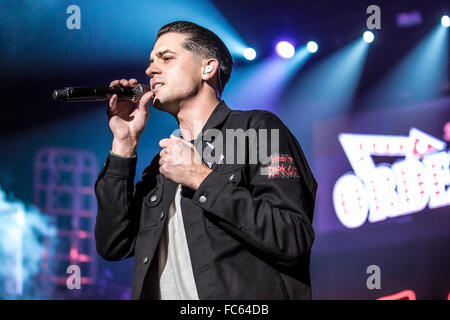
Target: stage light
x,y
285,49
409,19
368,36
253,77
445,21
312,46
250,54
405,83
332,92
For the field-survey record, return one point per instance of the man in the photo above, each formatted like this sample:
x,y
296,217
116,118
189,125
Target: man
x,y
200,224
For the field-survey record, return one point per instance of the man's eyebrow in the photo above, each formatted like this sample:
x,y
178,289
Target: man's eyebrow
x,y
161,53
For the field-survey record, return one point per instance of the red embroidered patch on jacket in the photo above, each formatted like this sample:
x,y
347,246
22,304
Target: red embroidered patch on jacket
x,y
282,166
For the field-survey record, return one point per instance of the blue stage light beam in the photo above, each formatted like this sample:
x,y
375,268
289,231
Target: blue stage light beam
x,y
329,86
110,35
258,86
420,76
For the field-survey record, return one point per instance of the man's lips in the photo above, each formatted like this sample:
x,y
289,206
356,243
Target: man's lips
x,y
156,85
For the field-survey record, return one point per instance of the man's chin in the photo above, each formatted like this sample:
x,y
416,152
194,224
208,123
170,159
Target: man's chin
x,y
161,105
157,104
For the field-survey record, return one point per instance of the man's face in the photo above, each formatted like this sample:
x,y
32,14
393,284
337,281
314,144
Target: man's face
x,y
175,73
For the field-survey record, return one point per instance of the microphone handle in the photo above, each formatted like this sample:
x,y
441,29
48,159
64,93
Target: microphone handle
x,y
100,93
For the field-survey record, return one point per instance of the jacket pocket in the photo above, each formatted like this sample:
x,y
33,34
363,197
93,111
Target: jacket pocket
x,y
280,283
233,173
150,213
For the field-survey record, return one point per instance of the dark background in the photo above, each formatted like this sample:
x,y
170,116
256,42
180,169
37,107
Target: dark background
x,y
39,54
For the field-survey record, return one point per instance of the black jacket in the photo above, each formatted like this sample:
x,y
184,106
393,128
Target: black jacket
x,y
249,231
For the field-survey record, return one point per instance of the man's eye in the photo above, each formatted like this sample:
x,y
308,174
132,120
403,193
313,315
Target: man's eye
x,y
167,58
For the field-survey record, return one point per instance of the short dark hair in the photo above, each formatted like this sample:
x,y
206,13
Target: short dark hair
x,y
205,43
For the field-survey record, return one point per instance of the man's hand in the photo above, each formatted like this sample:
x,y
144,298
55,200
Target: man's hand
x,y
180,162
127,119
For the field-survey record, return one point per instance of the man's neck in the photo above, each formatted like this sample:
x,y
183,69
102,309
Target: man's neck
x,y
193,115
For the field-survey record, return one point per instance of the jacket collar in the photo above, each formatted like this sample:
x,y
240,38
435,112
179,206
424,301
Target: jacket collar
x,y
217,117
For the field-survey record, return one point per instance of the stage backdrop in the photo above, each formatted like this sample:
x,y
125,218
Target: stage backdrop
x,y
383,203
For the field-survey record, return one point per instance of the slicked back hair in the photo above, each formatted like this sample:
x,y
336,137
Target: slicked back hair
x,y
204,43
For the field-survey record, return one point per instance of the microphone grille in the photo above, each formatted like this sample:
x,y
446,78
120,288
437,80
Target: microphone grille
x,y
139,90
60,95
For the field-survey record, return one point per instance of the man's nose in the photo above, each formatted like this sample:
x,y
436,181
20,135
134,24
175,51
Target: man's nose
x,y
152,70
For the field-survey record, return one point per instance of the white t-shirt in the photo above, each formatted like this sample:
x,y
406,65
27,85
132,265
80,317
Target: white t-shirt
x,y
176,278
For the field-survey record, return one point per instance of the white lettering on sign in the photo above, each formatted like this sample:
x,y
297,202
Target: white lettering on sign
x,y
378,192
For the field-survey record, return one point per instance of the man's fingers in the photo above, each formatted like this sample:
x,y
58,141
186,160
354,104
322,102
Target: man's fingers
x,y
162,169
113,101
186,143
186,146
123,82
145,100
176,140
114,83
181,141
163,153
164,143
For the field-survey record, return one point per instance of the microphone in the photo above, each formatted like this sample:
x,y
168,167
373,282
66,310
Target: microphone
x,y
70,94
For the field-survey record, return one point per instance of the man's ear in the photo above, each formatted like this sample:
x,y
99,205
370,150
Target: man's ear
x,y
210,68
